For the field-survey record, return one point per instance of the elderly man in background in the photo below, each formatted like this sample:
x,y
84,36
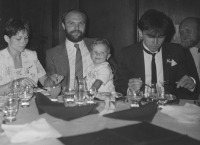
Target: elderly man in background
x,y
190,39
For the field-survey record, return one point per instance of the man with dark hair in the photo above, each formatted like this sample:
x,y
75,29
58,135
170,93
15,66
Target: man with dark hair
x,y
190,39
71,58
152,60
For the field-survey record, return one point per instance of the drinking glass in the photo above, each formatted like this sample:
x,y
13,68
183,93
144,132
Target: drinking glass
x,y
15,87
82,91
10,109
110,101
158,93
68,97
2,102
134,97
90,94
25,94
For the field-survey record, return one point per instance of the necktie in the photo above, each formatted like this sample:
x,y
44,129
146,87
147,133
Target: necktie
x,y
153,67
79,64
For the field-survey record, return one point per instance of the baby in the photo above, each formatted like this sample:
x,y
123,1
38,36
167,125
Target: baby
x,y
99,74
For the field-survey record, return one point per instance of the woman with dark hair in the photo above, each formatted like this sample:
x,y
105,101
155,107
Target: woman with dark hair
x,y
17,62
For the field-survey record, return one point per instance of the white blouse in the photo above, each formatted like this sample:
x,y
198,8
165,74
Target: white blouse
x,y
31,67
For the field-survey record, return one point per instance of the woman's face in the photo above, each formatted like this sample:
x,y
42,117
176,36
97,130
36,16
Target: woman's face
x,y
17,42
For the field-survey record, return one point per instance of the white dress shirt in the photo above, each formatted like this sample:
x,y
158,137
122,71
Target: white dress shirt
x,y
86,59
196,57
159,68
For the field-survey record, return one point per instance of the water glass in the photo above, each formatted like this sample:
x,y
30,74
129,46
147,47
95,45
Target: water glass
x,y
10,110
25,94
134,97
2,102
80,97
68,98
81,94
110,101
90,96
15,87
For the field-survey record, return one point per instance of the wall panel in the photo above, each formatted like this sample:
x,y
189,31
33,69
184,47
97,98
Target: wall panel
x,y
114,20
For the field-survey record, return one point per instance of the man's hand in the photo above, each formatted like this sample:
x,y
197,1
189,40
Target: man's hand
x,y
186,82
135,84
56,78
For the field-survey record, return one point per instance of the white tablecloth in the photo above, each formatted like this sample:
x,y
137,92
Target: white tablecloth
x,y
95,122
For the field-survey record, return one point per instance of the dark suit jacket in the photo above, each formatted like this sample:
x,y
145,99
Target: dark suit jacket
x,y
190,64
57,61
131,65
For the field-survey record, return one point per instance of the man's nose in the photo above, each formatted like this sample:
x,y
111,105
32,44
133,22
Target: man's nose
x,y
155,41
77,27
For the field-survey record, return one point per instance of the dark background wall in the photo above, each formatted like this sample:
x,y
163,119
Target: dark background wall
x,y
114,20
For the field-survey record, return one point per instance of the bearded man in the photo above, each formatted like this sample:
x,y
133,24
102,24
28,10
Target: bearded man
x,y
72,57
190,39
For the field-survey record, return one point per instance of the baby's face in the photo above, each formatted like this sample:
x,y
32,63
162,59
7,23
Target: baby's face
x,y
99,53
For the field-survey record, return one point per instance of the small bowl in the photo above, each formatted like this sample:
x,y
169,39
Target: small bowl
x,y
55,91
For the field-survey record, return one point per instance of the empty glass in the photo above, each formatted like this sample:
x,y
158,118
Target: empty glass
x,y
82,91
90,96
25,94
134,97
14,88
10,109
68,97
2,102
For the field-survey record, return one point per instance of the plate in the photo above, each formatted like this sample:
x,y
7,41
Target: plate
x,y
168,97
101,97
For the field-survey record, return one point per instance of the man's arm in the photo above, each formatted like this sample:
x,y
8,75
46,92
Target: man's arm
x,y
50,65
122,77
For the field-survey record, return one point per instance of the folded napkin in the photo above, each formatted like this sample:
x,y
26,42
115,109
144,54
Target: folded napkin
x,y
31,132
109,108
58,110
137,134
189,113
144,113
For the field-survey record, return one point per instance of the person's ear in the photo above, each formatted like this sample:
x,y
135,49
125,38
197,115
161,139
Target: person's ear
x,y
140,34
6,38
108,56
63,25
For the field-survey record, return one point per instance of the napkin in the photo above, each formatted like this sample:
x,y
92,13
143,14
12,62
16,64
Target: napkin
x,y
144,113
31,132
138,134
58,110
109,108
189,113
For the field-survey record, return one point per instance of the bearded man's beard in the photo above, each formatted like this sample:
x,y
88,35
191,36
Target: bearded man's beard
x,y
75,35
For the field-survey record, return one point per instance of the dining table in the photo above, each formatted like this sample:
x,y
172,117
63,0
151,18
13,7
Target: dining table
x,y
95,122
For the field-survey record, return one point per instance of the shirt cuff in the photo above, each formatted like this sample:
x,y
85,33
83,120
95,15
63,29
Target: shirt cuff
x,y
194,83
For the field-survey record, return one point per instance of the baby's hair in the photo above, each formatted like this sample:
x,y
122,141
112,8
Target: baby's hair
x,y
101,41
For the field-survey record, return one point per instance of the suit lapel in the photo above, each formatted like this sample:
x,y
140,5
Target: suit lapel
x,y
139,63
166,62
64,54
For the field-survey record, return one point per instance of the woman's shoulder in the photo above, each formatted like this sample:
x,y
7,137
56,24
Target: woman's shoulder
x,y
4,53
30,54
